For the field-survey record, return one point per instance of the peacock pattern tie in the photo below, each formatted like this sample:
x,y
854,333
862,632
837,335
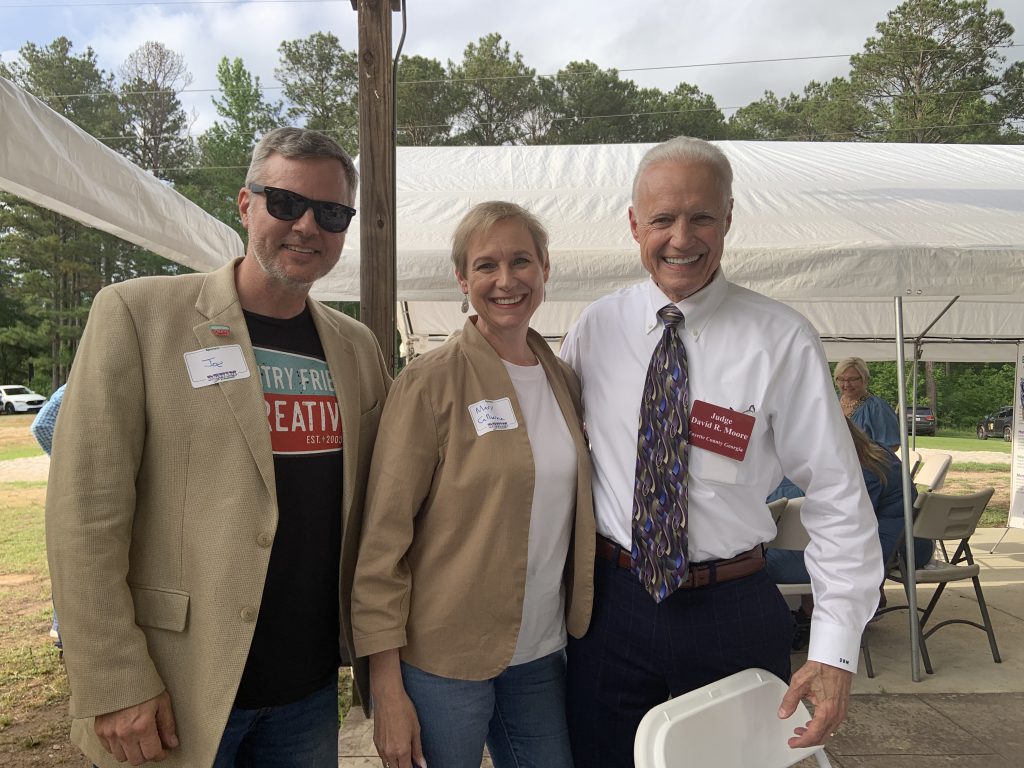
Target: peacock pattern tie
x,y
659,494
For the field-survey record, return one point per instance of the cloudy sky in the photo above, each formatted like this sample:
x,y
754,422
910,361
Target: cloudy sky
x,y
719,46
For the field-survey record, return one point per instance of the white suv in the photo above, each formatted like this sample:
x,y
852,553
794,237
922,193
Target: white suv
x,y
15,399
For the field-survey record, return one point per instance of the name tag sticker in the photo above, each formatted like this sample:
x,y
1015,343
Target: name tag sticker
x,y
216,364
493,416
720,430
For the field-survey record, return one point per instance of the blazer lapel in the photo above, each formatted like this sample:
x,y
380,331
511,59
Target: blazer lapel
x,y
218,302
344,367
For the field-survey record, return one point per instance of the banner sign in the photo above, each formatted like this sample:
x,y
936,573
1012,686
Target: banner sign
x,y
1016,519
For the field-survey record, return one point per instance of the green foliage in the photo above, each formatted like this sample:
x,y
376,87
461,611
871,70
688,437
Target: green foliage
x,y
224,150
926,76
683,111
825,112
321,80
426,103
590,105
151,78
964,391
496,94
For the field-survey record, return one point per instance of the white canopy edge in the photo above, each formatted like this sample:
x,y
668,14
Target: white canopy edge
x,y
49,161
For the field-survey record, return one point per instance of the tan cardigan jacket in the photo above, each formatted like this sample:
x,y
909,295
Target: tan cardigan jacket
x,y
161,507
442,563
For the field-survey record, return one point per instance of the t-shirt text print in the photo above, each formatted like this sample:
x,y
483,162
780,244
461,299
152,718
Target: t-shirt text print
x,y
302,407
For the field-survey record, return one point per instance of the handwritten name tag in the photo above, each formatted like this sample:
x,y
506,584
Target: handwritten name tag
x,y
493,416
216,364
720,430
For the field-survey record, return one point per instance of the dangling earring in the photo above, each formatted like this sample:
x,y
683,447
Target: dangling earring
x,y
465,303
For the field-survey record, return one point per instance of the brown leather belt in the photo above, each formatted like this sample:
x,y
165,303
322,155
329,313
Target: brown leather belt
x,y
701,574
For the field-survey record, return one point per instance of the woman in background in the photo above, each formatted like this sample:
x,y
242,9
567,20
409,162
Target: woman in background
x,y
872,414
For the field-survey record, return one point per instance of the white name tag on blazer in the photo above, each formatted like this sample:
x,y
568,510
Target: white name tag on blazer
x,y
216,364
493,416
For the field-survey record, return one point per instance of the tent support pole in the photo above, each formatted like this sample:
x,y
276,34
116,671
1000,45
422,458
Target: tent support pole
x,y
908,508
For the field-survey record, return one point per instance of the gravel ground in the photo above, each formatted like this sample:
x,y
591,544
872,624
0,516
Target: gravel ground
x,y
30,469
36,467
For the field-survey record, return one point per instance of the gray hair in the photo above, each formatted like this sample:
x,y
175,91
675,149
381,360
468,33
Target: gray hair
x,y
482,217
303,144
687,149
857,364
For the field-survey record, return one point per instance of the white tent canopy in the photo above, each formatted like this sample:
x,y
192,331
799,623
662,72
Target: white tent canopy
x,y
51,162
834,229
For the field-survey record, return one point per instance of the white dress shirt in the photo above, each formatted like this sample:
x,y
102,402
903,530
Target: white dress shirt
x,y
751,354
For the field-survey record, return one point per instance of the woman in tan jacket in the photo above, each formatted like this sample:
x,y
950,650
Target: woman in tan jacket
x,y
477,548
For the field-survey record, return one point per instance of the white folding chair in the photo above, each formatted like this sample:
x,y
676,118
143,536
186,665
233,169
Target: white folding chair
x,y
932,473
915,462
943,516
732,723
791,534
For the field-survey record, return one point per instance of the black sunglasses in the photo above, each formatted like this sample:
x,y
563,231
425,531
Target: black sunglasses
x,y
288,206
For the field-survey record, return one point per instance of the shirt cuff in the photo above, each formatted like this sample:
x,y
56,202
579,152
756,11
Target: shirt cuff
x,y
833,645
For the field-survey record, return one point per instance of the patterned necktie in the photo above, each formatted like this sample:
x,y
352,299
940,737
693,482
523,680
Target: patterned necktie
x,y
659,495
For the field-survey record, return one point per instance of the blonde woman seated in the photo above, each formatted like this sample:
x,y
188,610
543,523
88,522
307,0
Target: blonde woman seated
x,y
477,547
873,415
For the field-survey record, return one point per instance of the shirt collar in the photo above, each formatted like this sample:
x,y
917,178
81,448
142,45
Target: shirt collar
x,y
697,309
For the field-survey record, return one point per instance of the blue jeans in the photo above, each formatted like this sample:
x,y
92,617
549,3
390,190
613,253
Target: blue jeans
x,y
520,714
303,734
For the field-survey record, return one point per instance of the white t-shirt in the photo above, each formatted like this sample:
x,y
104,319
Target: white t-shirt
x,y
554,497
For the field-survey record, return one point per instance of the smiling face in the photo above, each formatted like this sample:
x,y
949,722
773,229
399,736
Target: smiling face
x,y
680,219
292,255
504,280
851,383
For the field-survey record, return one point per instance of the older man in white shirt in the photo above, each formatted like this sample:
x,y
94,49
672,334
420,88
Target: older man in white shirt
x,y
692,422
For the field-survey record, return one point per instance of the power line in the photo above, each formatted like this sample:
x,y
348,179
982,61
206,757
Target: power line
x,y
493,78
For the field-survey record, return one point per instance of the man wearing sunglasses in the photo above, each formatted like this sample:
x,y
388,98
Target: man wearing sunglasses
x,y
209,472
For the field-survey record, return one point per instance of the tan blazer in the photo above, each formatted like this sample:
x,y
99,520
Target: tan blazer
x,y
161,506
442,563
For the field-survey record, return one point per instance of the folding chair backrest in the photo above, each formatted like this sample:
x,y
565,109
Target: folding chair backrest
x,y
943,516
731,723
932,474
790,533
914,461
776,508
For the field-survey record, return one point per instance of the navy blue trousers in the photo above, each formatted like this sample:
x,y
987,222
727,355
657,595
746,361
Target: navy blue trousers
x,y
638,653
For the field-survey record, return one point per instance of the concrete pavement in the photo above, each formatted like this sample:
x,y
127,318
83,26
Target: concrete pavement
x,y
967,714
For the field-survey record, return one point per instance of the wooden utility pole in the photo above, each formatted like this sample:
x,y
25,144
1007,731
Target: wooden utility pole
x,y
377,293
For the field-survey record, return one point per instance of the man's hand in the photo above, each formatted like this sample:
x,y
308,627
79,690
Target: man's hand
x,y
828,689
139,733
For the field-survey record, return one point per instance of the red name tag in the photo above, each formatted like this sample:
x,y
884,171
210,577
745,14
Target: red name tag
x,y
720,430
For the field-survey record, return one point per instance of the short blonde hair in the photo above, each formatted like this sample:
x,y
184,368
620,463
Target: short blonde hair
x,y
853,362
482,217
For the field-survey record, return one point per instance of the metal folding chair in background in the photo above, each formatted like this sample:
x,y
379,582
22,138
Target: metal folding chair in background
x,y
932,472
915,462
731,723
942,516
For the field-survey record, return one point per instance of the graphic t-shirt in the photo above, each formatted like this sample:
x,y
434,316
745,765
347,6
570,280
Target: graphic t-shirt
x,y
295,648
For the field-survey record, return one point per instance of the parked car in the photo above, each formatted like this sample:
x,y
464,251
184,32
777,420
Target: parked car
x,y
16,399
924,421
997,424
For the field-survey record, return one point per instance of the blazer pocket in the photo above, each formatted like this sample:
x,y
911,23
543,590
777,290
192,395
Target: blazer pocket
x,y
161,608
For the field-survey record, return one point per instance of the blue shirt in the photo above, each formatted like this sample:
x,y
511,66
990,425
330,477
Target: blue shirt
x,y
46,420
877,420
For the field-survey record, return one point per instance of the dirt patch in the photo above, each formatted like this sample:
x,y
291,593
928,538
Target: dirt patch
x,y
15,579
14,431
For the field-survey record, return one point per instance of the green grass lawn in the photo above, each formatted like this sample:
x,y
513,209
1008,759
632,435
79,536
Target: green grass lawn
x,y
963,441
20,452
